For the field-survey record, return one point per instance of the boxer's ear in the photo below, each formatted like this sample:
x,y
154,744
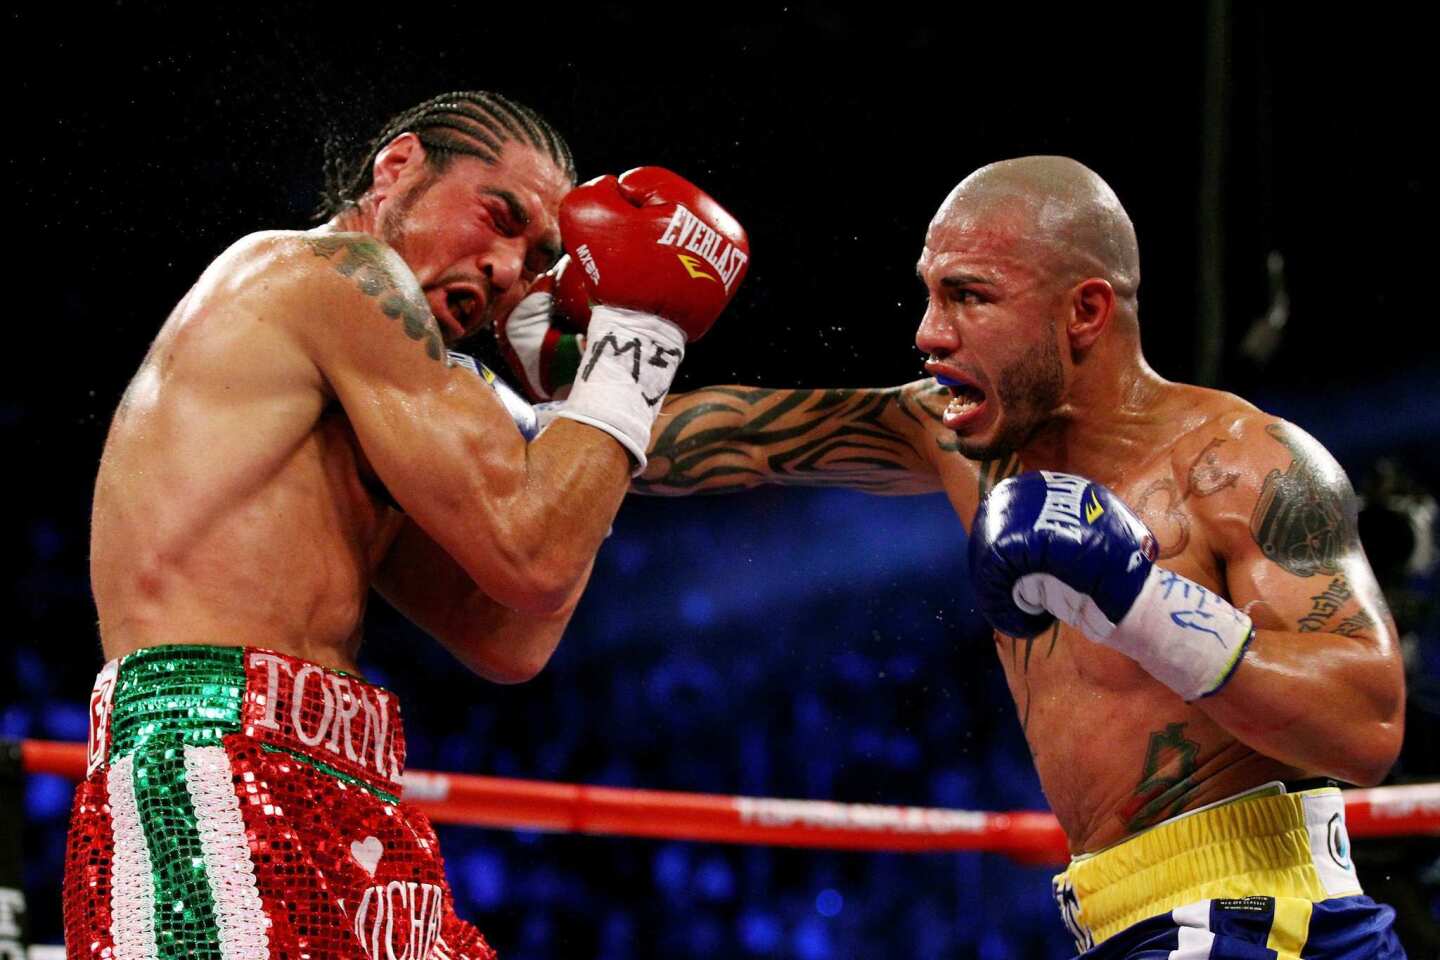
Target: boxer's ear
x,y
401,156
1092,303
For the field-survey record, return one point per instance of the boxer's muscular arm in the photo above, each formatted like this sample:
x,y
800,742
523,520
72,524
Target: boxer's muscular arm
x,y
498,643
726,439
523,522
1322,685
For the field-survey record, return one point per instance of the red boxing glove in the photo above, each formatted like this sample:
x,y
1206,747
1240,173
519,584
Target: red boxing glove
x,y
654,242
542,338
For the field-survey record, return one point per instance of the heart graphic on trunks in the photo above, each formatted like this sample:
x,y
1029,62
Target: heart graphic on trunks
x,y
367,854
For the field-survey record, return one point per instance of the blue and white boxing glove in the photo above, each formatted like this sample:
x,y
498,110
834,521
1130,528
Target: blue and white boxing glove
x,y
1050,545
529,419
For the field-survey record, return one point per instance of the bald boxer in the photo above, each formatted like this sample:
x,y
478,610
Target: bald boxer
x,y
299,433
1194,639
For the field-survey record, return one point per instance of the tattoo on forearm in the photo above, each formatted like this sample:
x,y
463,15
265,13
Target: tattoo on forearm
x,y
725,439
362,260
1305,520
1166,779
1325,605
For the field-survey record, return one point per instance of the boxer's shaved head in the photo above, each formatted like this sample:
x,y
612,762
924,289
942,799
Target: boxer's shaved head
x,y
1059,206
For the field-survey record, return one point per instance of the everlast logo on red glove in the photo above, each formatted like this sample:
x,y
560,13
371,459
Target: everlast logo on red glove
x,y
689,232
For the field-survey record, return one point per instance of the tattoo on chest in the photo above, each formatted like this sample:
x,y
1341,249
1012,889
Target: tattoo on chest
x,y
1166,779
1162,500
362,260
1162,503
1325,605
1305,517
1207,475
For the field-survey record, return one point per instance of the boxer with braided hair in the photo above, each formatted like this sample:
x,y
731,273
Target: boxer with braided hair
x,y
299,433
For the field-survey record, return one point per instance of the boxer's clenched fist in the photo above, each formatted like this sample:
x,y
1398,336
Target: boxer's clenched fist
x,y
652,241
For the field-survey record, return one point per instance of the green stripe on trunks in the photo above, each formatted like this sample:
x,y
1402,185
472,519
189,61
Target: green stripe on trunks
x,y
165,698
184,902
331,771
191,693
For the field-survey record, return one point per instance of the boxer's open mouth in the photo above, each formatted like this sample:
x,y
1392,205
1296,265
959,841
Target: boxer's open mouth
x,y
966,403
966,399
464,307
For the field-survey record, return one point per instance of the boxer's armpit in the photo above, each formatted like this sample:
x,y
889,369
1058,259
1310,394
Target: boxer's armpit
x,y
1305,518
726,439
367,262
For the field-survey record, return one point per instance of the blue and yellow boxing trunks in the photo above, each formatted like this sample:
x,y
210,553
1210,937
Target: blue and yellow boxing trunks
x,y
1263,876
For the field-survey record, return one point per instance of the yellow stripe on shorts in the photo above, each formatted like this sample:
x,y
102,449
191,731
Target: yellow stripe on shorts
x,y
1290,928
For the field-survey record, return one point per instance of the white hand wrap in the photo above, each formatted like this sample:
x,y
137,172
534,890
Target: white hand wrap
x,y
629,364
1182,634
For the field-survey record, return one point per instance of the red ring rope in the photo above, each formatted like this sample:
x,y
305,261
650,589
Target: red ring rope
x,y
1030,836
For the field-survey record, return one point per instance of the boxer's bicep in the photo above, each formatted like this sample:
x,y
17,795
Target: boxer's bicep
x,y
1292,556
1321,686
730,438
436,436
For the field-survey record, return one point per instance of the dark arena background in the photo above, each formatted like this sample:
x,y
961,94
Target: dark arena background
x,y
807,644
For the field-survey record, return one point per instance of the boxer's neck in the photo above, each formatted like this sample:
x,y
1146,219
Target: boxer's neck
x,y
1108,422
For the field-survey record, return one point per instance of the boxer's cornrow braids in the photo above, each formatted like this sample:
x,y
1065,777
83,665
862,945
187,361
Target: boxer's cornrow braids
x,y
474,123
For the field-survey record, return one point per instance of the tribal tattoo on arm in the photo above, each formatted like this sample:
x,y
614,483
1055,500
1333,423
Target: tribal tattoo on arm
x,y
725,439
364,260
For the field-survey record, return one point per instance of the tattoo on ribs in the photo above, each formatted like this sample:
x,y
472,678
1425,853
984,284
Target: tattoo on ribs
x,y
1166,779
1305,519
362,260
805,437
1029,643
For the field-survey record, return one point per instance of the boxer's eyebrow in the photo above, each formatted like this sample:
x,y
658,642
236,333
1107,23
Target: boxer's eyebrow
x,y
963,279
512,203
550,247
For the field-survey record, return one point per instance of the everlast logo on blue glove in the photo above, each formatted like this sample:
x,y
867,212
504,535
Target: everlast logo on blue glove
x,y
1064,494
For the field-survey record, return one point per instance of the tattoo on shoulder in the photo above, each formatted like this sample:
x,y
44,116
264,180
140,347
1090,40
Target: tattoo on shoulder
x,y
1165,780
1305,519
363,260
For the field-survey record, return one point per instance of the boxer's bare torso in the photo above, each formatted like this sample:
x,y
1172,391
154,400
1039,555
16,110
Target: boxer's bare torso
x,y
301,386
232,505
1115,749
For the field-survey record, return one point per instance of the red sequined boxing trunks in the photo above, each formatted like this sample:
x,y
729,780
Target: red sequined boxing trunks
x,y
243,804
